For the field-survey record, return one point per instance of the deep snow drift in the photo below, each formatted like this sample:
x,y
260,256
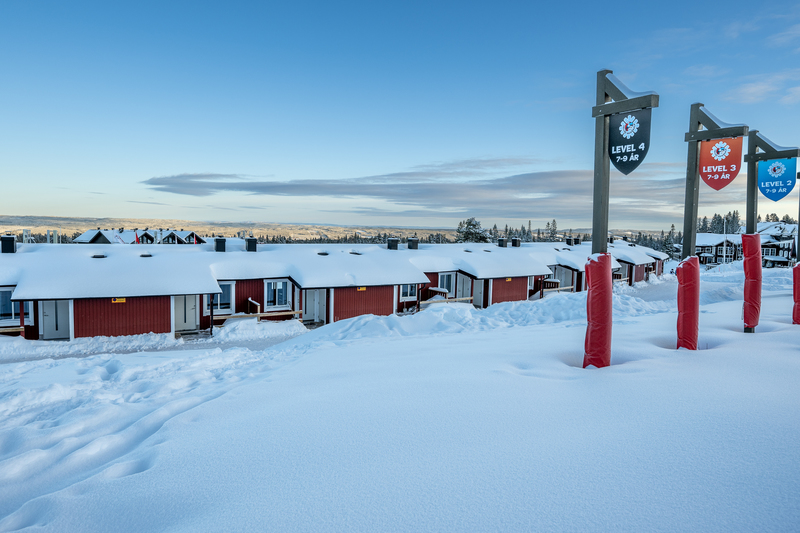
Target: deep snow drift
x,y
453,419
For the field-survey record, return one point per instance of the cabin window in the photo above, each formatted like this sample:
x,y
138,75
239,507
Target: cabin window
x,y
531,282
408,293
446,282
223,303
277,294
9,311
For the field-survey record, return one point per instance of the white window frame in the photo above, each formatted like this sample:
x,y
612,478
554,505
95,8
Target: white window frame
x,y
14,322
531,282
410,297
217,310
289,292
452,275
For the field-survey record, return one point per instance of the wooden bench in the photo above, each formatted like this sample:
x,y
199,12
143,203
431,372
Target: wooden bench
x,y
17,329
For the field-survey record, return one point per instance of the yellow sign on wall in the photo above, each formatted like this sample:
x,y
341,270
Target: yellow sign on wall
x,y
361,288
508,279
117,300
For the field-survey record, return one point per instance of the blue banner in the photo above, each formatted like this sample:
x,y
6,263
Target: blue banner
x,y
776,177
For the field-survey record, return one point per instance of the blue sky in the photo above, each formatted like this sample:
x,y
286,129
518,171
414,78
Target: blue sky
x,y
403,113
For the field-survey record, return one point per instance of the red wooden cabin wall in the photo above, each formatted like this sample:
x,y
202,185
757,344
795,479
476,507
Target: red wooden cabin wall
x,y
145,314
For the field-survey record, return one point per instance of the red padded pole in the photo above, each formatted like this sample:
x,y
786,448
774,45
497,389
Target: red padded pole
x,y
751,246
597,347
796,293
688,302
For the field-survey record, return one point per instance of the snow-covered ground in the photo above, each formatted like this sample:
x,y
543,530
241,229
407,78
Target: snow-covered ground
x,y
453,419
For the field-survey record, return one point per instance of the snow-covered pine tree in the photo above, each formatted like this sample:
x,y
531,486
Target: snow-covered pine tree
x,y
470,231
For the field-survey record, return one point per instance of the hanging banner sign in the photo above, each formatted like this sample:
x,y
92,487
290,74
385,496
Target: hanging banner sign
x,y
776,177
629,139
720,161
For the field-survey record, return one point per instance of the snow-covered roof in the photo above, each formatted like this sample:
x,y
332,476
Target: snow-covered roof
x,y
777,229
558,253
113,236
63,271
633,254
483,261
716,239
50,271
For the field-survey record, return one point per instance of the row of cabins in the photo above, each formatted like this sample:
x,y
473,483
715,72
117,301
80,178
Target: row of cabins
x,y
63,292
777,245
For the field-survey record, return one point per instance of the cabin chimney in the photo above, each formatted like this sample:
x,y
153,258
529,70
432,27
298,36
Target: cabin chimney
x,y
219,244
413,243
625,238
251,244
576,241
516,242
570,241
502,242
611,240
8,244
392,242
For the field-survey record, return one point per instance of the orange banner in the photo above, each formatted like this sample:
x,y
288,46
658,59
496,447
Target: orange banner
x,y
720,161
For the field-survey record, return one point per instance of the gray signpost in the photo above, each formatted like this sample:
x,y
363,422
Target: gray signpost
x,y
759,148
700,117
613,97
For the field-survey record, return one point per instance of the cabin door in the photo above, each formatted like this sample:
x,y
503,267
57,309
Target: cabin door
x,y
314,305
477,298
186,312
463,286
55,319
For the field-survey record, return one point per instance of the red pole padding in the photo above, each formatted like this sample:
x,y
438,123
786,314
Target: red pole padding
x,y
597,347
751,246
688,302
796,291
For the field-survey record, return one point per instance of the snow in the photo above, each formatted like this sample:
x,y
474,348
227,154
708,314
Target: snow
x,y
716,239
452,419
240,331
483,261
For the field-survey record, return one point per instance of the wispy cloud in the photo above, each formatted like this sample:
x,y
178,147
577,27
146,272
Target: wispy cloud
x,y
776,85
786,38
149,203
654,192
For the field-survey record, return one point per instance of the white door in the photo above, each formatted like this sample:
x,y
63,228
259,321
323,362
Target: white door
x,y
186,313
463,288
55,319
477,299
314,305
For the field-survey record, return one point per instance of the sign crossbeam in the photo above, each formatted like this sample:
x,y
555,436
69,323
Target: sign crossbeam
x,y
769,150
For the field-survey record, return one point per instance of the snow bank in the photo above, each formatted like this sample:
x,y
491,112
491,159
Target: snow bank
x,y
239,330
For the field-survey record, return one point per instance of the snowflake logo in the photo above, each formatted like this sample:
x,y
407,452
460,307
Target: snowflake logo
x,y
720,151
776,169
629,126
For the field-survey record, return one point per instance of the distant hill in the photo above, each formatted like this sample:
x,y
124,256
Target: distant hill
x,y
71,225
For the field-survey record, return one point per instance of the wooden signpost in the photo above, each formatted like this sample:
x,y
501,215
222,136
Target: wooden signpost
x,y
626,146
